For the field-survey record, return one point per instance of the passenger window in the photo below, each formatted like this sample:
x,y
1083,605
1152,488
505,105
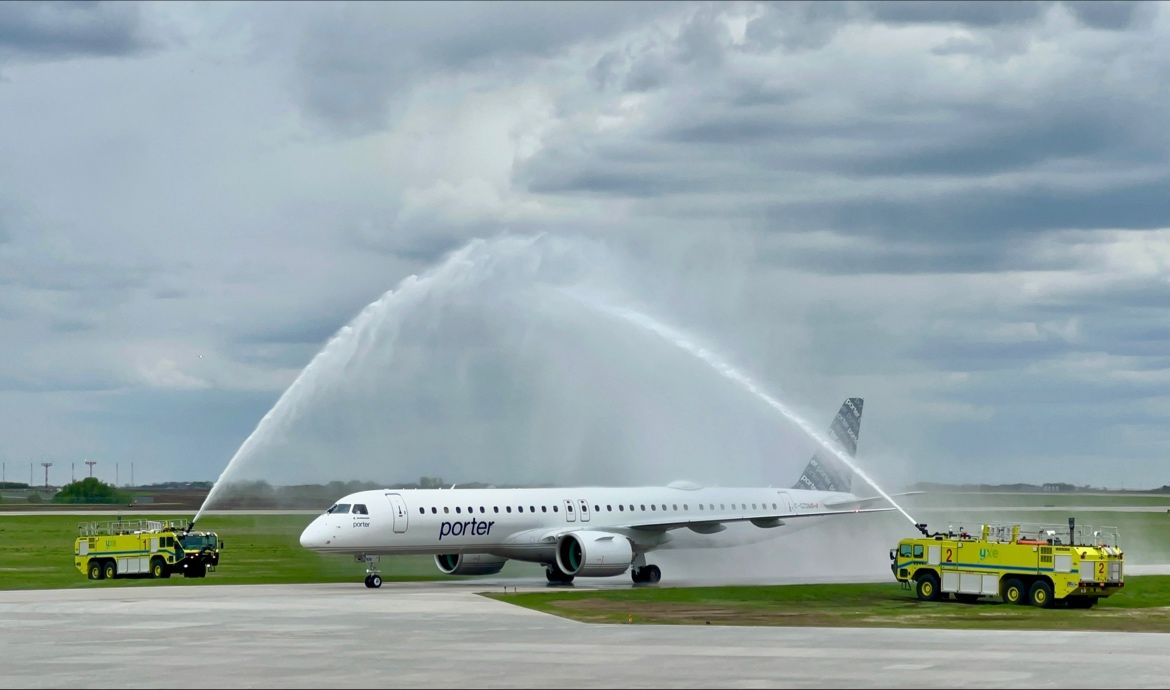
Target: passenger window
x,y
446,509
458,509
674,506
918,550
631,507
686,507
555,509
422,511
434,510
482,510
722,507
753,506
569,507
495,509
519,509
653,507
643,507
596,508
509,509
711,506
904,550
774,507
664,506
532,509
360,509
609,507
544,509
621,508
700,506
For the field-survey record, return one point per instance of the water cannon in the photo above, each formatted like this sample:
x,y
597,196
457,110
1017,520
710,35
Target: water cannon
x,y
921,527
190,526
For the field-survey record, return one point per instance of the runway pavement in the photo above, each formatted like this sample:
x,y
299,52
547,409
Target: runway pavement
x,y
445,635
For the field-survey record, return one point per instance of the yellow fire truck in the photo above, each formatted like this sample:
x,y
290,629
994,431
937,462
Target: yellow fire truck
x,y
1037,564
144,548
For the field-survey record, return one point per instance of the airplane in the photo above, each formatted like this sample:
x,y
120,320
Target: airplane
x,y
575,531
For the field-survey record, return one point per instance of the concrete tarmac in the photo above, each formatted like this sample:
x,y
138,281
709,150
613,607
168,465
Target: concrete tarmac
x,y
445,635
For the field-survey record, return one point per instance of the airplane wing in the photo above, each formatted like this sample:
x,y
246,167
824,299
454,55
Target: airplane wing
x,y
716,524
858,502
708,526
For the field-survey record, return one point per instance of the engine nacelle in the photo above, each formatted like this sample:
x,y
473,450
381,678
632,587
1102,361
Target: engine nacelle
x,y
469,563
594,554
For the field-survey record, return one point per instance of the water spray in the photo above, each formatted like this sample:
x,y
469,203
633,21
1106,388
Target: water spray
x,y
684,342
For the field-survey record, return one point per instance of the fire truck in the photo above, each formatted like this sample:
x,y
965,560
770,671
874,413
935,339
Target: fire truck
x,y
1042,565
144,548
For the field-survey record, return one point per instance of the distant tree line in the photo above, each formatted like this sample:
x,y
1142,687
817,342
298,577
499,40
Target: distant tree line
x,y
90,490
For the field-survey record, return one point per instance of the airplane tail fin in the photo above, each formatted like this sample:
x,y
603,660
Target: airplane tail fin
x,y
824,471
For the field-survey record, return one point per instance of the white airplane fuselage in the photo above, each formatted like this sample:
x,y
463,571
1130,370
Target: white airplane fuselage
x,y
522,524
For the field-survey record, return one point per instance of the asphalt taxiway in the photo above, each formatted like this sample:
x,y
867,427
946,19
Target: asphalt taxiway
x,y
445,635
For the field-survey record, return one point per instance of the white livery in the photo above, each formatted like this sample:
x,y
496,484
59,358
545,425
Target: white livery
x,y
575,531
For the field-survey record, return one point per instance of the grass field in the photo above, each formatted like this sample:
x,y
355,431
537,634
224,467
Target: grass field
x,y
37,553
1143,606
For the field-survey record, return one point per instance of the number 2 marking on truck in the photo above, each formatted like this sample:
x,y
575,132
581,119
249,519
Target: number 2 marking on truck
x,y
1101,569
950,555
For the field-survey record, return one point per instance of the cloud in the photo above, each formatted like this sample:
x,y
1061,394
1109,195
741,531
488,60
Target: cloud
x,y
955,210
357,63
64,30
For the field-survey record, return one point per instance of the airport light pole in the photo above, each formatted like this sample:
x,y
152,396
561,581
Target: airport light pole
x,y
91,463
46,465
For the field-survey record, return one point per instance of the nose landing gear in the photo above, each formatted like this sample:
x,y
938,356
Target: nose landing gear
x,y
373,577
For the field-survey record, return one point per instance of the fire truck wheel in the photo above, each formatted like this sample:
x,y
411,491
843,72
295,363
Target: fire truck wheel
x,y
109,570
1040,594
95,570
1013,592
157,567
927,588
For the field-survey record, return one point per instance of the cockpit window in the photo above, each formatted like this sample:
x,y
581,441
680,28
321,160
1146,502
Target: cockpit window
x,y
339,509
360,509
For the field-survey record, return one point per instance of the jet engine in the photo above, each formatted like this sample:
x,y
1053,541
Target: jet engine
x,y
469,563
594,554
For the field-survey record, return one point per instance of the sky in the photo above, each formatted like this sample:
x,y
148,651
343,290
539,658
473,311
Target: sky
x,y
957,211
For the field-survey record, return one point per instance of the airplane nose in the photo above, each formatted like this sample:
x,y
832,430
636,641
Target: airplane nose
x,y
314,535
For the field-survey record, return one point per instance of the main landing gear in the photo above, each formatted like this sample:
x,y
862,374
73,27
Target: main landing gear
x,y
555,576
646,575
373,577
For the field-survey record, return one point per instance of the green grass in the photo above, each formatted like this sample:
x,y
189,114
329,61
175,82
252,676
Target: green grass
x,y
38,554
1144,605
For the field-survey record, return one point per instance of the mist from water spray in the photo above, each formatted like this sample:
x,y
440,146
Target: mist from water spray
x,y
684,342
354,340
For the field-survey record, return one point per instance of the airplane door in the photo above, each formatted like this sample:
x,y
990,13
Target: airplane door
x,y
570,514
785,503
401,518
584,509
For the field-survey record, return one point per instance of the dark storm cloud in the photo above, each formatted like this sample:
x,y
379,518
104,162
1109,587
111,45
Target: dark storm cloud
x,y
894,258
1111,14
977,14
991,213
356,61
58,30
